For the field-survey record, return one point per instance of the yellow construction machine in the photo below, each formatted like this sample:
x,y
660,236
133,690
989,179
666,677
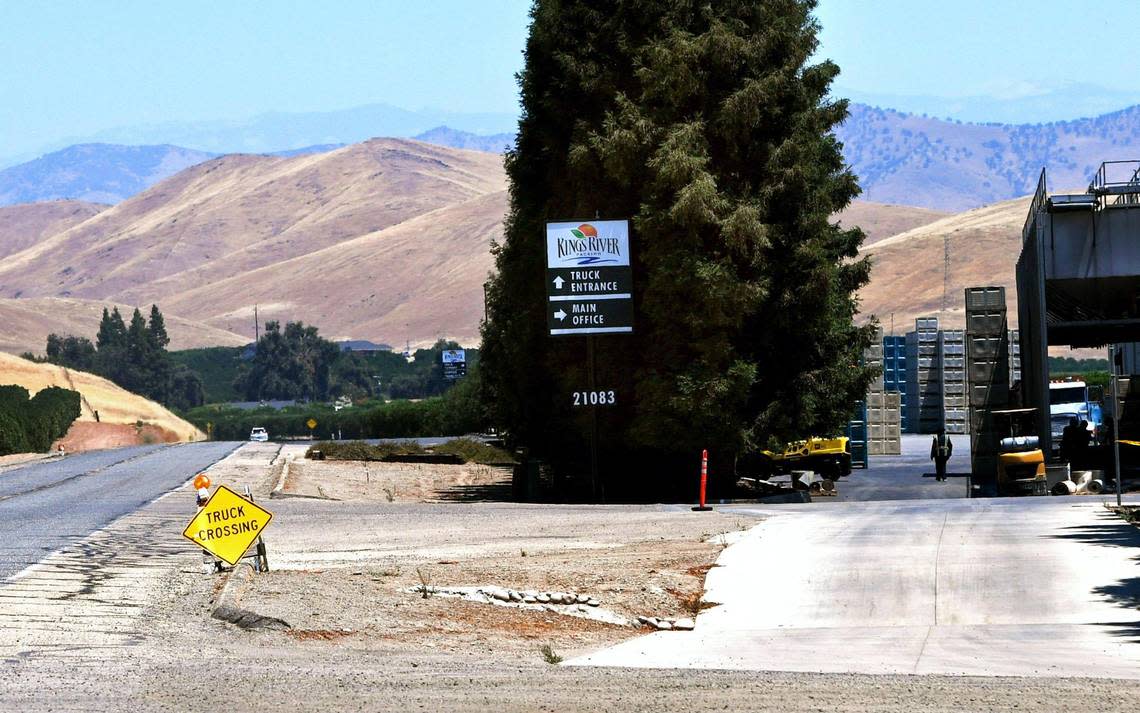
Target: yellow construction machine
x,y
830,458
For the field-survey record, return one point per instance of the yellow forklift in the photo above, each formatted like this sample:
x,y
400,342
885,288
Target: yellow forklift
x,y
1020,460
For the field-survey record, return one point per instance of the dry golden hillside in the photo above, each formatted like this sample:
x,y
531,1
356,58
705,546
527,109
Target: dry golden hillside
x,y
212,241
116,406
387,240
418,281
882,220
26,323
908,268
237,213
22,226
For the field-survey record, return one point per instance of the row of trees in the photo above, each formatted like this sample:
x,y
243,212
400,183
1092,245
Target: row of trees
x,y
459,411
133,355
296,363
32,424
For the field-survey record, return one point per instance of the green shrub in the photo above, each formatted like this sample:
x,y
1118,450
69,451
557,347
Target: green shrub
x,y
472,451
466,449
358,450
32,424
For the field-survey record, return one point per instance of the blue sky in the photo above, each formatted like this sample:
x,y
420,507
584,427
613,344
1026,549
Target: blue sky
x,y
70,68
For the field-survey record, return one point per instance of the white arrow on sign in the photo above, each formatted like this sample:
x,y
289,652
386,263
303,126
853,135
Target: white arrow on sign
x,y
558,282
560,315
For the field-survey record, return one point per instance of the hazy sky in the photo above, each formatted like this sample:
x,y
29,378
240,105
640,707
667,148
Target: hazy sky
x,y
72,67
1002,48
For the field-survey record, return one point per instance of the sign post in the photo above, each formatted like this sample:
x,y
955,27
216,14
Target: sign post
x,y
589,290
311,423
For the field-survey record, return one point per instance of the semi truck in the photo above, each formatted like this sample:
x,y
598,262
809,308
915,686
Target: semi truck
x,y
1067,400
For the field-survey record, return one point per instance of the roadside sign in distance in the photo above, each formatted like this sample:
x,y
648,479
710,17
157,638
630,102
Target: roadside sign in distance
x,y
589,280
227,525
311,423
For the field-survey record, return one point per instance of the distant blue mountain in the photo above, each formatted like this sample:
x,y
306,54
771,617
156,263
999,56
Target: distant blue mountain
x,y
279,131
445,136
98,173
106,173
319,148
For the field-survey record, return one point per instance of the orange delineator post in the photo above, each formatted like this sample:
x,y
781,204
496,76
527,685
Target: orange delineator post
x,y
704,480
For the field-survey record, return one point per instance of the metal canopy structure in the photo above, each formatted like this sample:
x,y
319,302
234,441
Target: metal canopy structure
x,y
1078,276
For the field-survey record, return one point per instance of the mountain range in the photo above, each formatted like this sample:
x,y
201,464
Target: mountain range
x,y
387,240
900,158
282,131
912,160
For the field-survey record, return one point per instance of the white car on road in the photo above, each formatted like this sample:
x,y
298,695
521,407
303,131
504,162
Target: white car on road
x,y
258,434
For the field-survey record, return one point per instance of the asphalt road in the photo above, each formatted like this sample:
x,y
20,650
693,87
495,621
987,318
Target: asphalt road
x,y
987,587
46,506
909,476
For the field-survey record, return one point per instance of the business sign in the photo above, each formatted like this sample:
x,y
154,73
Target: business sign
x,y
454,363
227,525
589,280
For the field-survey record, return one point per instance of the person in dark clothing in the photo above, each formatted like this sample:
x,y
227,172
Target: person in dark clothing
x,y
1070,440
940,451
1083,441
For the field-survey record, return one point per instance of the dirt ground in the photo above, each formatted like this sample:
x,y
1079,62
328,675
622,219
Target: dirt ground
x,y
342,577
397,482
90,436
346,567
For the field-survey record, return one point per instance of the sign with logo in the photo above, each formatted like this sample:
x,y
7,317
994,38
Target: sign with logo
x,y
454,363
589,280
227,525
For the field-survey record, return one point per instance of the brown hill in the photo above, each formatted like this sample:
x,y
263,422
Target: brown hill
x,y
217,238
882,220
121,413
22,226
908,274
26,323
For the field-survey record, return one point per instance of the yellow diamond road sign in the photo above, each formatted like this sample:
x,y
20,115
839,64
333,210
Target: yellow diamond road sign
x,y
312,423
227,525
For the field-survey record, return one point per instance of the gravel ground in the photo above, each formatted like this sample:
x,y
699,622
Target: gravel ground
x,y
361,642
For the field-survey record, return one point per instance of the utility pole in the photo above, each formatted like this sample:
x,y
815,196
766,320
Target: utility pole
x,y
945,271
256,327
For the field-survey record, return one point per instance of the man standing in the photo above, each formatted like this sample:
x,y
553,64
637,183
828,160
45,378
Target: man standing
x,y
940,451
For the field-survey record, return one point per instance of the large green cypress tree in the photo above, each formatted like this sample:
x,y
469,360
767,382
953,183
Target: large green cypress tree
x,y
704,124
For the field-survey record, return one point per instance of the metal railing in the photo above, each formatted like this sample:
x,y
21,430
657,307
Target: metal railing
x,y
1117,178
1035,206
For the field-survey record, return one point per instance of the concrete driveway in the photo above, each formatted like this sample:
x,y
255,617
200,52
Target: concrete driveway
x,y
1003,587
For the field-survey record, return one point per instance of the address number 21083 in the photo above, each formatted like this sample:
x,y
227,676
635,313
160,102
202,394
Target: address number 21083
x,y
594,398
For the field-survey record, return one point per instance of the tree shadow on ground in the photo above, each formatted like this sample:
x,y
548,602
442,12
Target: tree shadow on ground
x,y
1123,630
1109,529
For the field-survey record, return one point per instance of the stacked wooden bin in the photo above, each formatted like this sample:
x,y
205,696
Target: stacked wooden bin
x,y
953,352
923,377
884,409
987,373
